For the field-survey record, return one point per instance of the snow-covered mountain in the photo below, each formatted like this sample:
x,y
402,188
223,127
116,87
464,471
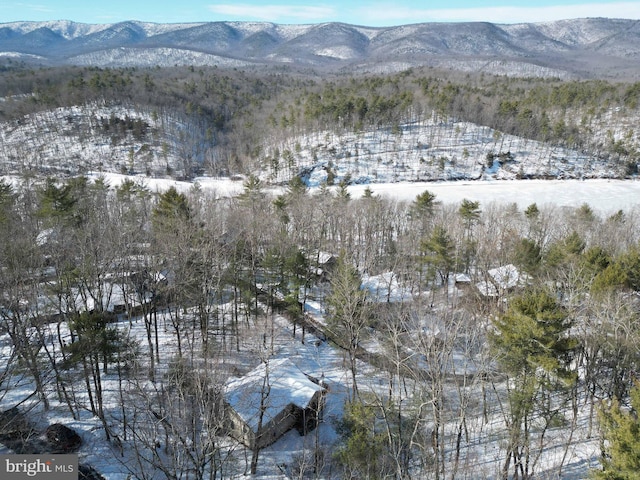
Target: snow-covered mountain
x,y
576,48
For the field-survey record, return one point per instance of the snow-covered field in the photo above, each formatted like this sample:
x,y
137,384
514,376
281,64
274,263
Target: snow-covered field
x,y
602,195
605,196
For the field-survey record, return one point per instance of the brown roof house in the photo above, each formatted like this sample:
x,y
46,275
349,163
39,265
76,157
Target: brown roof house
x,y
270,400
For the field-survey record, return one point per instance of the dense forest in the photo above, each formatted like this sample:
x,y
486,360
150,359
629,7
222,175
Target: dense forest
x,y
238,114
515,328
561,340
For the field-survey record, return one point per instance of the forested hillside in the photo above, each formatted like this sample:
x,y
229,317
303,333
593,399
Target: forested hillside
x,y
215,121
448,340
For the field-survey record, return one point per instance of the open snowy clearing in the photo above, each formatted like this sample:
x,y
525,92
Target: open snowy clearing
x,y
602,195
605,196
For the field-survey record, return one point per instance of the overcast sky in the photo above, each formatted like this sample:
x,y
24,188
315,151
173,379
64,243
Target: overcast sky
x,y
369,13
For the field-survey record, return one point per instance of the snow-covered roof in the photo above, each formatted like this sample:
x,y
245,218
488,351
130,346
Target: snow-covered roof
x,y
385,288
462,278
501,278
114,295
286,385
325,257
505,277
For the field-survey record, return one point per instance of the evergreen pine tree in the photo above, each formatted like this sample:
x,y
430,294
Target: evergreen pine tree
x,y
532,346
621,432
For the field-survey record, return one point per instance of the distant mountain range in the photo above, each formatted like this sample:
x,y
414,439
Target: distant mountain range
x,y
580,48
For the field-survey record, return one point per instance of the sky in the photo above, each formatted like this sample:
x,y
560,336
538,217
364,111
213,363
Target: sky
x,y
376,13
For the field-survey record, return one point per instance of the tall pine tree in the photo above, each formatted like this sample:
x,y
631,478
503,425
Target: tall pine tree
x,y
621,435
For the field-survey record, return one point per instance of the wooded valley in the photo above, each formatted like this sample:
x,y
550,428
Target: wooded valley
x,y
225,122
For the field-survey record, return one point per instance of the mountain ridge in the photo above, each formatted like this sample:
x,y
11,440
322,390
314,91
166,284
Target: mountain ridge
x,y
597,47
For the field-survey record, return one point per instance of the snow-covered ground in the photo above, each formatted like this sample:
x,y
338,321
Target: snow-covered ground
x,y
602,195
480,459
436,150
318,359
391,165
605,196
80,139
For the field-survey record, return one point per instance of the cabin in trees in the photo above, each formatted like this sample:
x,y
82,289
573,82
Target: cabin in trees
x,y
501,280
270,400
323,264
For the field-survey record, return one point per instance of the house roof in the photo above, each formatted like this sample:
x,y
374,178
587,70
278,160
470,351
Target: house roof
x,y
113,296
385,288
462,278
506,276
500,278
286,385
325,257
